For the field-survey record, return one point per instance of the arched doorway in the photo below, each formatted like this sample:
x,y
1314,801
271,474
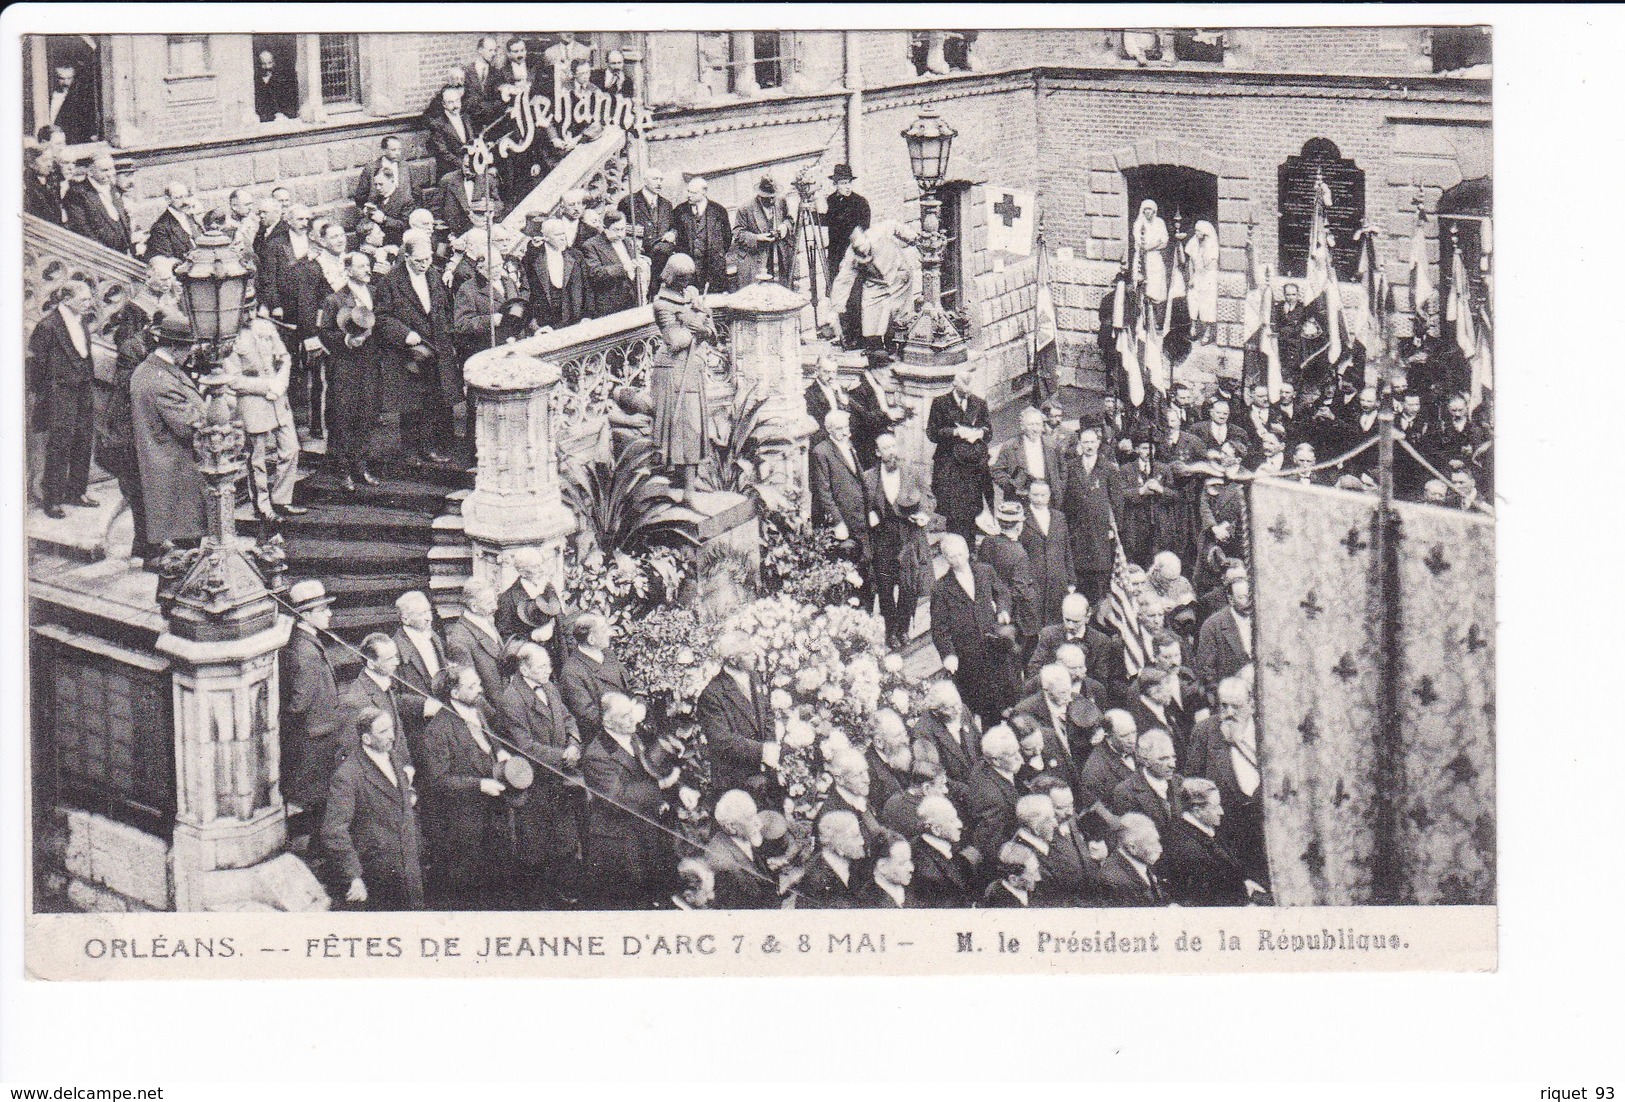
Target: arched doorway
x,y
1184,197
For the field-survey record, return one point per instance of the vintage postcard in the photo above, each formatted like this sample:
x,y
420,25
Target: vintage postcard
x,y
716,502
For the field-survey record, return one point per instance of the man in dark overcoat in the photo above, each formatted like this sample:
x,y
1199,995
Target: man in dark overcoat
x,y
960,427
62,378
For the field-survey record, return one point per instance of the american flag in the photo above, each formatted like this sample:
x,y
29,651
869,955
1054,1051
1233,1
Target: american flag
x,y
1122,613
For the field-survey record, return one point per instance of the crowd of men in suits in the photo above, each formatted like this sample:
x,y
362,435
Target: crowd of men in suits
x,y
1160,757
506,763
501,761
1042,697
374,309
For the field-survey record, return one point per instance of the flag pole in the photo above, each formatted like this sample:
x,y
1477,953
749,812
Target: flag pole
x,y
1387,874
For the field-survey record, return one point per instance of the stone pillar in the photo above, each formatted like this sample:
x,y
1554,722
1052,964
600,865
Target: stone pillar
x,y
230,822
766,354
223,633
744,63
516,501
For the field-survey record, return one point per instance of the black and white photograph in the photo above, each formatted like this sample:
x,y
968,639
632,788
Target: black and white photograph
x,y
816,542
539,470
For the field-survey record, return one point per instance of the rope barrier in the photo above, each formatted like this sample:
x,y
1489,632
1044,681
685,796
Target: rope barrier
x,y
1431,469
514,748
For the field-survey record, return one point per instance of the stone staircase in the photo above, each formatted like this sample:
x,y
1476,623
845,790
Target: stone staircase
x,y
371,546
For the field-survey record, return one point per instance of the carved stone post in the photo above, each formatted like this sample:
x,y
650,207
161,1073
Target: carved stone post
x,y
766,352
224,634
515,502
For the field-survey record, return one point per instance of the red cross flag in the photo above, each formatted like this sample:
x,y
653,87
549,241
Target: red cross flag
x,y
1010,221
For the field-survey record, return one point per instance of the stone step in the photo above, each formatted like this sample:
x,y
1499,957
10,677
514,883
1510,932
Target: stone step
x,y
426,498
357,521
354,591
450,560
321,556
448,531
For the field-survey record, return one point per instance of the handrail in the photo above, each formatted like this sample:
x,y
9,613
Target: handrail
x,y
53,255
596,356
573,171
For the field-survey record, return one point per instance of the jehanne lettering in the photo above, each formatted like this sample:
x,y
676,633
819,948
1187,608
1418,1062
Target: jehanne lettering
x,y
534,115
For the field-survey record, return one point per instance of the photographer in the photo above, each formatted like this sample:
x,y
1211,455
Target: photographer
x,y
388,205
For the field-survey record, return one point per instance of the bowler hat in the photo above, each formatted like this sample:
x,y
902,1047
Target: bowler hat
x,y
766,186
517,775
308,594
842,172
175,329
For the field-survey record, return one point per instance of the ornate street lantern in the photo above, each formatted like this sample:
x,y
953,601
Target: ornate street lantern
x,y
217,590
933,338
214,286
930,140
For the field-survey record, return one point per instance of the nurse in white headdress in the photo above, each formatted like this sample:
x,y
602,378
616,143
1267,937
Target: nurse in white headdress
x,y
1150,260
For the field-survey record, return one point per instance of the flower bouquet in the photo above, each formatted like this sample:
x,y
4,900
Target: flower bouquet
x,y
828,673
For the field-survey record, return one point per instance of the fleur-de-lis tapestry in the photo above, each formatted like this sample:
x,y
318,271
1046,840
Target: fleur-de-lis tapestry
x,y
1318,633
1316,644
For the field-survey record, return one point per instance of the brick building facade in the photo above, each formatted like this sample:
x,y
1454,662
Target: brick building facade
x,y
1084,120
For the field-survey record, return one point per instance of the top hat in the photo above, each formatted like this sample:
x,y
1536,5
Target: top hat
x,y
1083,712
842,172
308,594
534,221
357,319
1010,512
533,613
910,504
174,328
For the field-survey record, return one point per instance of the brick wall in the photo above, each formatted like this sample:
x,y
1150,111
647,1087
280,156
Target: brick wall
x,y
1090,131
1065,134
1341,50
321,173
319,163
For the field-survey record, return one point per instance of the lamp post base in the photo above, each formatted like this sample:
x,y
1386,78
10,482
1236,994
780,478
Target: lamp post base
x,y
934,341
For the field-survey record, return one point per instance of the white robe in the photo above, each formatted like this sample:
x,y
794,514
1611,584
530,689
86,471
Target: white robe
x,y
1202,293
1150,239
891,279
